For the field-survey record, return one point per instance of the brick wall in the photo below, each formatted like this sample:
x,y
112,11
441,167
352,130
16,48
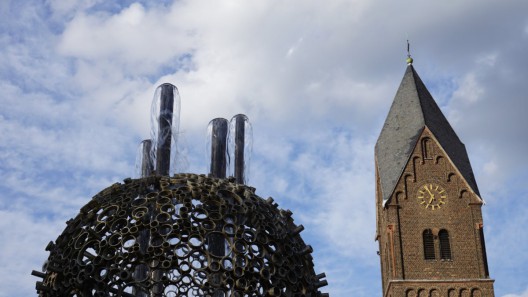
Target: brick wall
x,y
402,221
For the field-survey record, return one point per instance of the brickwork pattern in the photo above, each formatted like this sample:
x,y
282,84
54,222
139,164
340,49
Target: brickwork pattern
x,y
402,221
476,288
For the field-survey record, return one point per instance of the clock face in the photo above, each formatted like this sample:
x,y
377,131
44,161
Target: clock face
x,y
432,196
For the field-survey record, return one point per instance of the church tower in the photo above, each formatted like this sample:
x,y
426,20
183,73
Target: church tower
x,y
428,206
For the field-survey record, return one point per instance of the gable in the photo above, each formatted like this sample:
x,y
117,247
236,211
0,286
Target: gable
x,y
429,161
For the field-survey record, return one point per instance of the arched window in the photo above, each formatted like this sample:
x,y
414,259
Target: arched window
x,y
445,248
428,243
451,293
476,293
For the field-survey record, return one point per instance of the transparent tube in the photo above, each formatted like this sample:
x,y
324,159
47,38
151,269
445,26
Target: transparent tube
x,y
240,147
165,126
208,142
144,165
181,161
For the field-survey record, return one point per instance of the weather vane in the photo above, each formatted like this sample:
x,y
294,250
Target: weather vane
x,y
409,59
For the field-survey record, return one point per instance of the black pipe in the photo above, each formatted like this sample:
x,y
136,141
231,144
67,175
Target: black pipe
x,y
146,162
240,130
140,271
216,240
165,129
219,147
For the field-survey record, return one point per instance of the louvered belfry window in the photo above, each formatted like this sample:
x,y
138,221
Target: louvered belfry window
x,y
445,248
428,243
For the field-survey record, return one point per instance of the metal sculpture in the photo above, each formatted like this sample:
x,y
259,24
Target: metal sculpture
x,y
100,251
185,235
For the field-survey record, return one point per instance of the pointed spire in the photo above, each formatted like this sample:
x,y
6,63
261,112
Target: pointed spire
x,y
412,110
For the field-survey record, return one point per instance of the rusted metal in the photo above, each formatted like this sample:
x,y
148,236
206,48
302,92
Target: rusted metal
x,y
100,251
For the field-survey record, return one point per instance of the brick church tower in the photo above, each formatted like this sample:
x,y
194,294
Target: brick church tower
x,y
428,206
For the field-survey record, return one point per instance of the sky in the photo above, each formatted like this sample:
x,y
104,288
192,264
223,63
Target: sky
x,y
315,78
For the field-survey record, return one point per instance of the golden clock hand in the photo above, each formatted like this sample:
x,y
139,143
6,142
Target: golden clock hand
x,y
431,194
428,191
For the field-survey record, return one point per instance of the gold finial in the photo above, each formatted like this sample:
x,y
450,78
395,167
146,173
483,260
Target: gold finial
x,y
409,59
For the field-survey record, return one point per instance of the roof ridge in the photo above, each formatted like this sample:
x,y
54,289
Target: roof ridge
x,y
419,83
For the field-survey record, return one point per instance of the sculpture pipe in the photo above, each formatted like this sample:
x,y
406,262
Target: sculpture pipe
x,y
144,165
297,230
165,125
240,120
306,250
38,274
218,147
274,291
50,246
41,287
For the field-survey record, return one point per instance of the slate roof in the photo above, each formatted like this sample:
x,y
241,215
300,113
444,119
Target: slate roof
x,y
414,108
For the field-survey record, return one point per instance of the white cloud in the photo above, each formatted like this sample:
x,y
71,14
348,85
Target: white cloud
x,y
21,234
490,168
136,40
488,59
316,80
469,91
65,8
523,294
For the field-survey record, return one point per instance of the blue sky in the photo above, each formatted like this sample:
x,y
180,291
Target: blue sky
x,y
316,79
